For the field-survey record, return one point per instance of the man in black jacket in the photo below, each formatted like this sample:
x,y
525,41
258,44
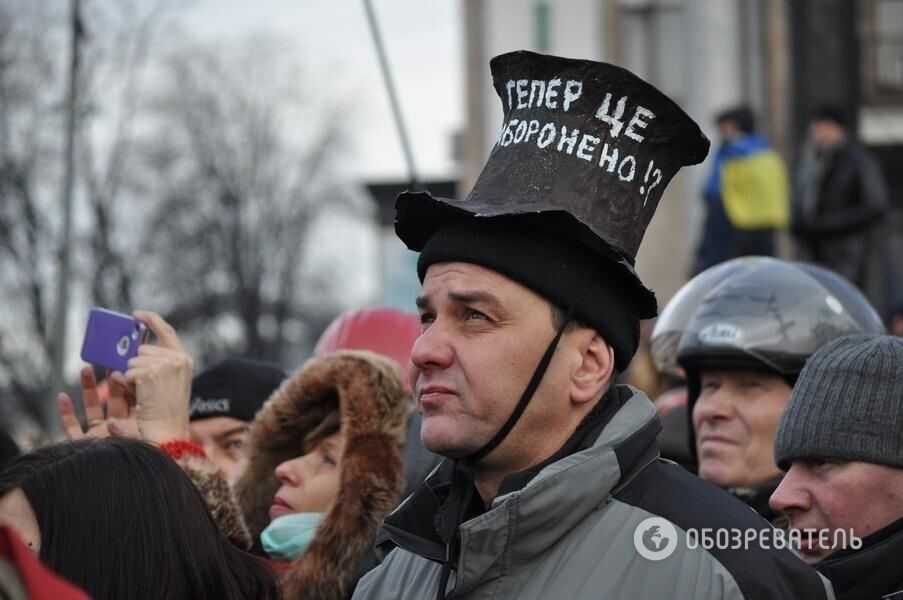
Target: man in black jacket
x,y
841,197
840,442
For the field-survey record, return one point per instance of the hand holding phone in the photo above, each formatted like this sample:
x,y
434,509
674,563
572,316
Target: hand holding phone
x,y
157,376
111,339
160,378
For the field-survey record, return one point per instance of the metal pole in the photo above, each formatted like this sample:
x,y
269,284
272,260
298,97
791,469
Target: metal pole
x,y
393,99
58,342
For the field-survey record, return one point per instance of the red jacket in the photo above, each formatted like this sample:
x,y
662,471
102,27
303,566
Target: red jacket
x,y
39,582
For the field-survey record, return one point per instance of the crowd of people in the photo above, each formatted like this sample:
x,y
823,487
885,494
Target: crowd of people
x,y
487,447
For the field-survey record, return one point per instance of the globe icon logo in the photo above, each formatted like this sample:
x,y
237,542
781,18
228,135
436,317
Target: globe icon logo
x,y
655,538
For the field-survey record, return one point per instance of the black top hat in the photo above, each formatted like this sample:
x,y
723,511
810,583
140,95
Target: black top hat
x,y
586,147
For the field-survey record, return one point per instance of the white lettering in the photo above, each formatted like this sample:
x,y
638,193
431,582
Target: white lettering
x,y
521,92
508,137
532,129
520,132
585,149
631,162
537,90
611,159
572,91
546,135
199,406
638,122
614,120
552,93
570,140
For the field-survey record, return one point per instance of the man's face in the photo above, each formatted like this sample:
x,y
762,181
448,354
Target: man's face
x,y
825,133
896,326
482,338
223,439
728,130
828,494
735,419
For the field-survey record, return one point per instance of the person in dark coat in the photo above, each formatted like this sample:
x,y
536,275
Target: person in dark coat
x,y
839,442
119,518
551,483
323,466
752,323
348,412
745,194
840,199
224,399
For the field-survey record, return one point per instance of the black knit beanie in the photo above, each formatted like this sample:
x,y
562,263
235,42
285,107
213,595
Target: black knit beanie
x,y
552,266
235,387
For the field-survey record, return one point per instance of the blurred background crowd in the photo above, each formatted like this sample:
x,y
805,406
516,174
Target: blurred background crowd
x,y
234,166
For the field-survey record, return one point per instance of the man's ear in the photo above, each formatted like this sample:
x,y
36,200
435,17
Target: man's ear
x,y
593,375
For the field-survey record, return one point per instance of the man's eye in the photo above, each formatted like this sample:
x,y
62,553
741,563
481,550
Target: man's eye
x,y
475,314
235,445
426,319
328,460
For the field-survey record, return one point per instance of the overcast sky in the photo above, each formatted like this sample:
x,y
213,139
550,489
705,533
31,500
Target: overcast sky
x,y
423,42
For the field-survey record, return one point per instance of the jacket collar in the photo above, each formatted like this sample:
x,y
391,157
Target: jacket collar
x,y
872,571
544,508
757,496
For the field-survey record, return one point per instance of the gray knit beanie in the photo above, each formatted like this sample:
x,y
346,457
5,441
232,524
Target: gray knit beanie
x,y
847,404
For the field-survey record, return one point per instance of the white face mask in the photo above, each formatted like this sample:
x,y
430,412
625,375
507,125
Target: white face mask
x,y
287,537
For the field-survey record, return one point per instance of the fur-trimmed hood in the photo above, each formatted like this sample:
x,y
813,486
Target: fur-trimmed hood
x,y
374,413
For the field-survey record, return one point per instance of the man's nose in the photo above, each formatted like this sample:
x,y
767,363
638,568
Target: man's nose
x,y
713,406
432,349
791,494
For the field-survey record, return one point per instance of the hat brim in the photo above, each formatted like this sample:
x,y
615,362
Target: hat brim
x,y
418,215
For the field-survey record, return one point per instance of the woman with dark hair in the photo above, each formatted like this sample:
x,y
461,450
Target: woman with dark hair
x,y
121,519
328,455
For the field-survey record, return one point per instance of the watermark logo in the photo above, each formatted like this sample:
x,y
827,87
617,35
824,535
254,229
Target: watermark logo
x,y
655,538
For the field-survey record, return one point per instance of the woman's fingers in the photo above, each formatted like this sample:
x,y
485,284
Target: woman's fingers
x,y
136,374
165,333
124,428
90,396
118,404
160,377
119,386
168,363
70,423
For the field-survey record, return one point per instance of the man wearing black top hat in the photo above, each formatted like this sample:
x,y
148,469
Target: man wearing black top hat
x,y
530,308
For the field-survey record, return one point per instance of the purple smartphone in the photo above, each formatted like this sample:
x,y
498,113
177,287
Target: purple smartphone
x,y
111,339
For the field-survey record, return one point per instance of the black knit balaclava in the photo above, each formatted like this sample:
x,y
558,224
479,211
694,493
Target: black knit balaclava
x,y
550,265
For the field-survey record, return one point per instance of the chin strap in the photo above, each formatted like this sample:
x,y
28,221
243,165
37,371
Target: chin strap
x,y
461,490
525,398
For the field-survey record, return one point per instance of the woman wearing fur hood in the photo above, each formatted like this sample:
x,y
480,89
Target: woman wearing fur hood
x,y
323,466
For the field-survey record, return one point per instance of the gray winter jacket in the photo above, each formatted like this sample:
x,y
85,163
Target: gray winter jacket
x,y
570,532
